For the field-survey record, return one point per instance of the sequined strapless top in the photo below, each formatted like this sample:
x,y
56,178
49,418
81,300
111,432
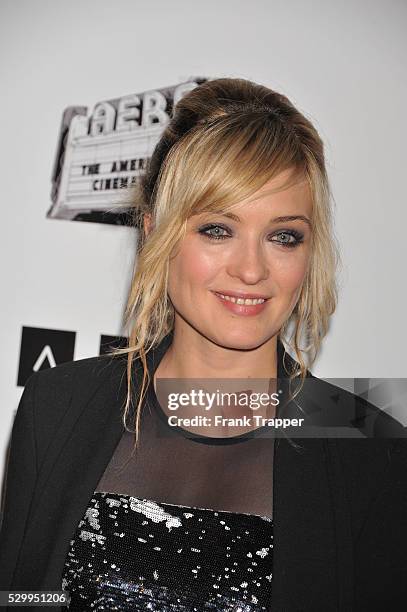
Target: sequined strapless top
x,y
130,553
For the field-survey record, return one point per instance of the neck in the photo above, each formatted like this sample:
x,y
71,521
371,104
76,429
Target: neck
x,y
191,355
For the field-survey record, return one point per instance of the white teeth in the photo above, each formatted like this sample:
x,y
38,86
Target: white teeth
x,y
246,302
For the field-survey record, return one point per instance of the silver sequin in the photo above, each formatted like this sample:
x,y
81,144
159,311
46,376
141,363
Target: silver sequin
x,y
138,554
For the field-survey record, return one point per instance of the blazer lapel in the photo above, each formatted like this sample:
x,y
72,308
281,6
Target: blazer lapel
x,y
312,534
76,459
304,575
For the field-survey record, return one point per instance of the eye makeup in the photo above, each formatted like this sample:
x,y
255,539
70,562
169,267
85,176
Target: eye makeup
x,y
292,237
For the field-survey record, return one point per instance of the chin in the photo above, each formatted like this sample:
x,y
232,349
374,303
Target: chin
x,y
240,340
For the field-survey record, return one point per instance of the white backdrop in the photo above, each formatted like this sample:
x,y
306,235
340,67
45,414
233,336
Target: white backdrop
x,y
342,64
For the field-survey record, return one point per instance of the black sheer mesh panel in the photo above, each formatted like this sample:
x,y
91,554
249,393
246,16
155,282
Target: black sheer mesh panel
x,y
232,474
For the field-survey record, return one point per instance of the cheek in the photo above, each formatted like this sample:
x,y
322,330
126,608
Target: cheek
x,y
192,266
289,278
289,273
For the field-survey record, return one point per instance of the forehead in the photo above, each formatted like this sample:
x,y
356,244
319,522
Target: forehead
x,y
284,194
278,193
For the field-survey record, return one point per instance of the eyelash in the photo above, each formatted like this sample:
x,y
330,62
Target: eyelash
x,y
299,237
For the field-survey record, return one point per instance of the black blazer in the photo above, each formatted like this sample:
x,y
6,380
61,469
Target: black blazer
x,y
340,505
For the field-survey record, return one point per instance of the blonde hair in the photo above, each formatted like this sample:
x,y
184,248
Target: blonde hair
x,y
225,139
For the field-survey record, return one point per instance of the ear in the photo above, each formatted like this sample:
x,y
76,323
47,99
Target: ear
x,y
147,221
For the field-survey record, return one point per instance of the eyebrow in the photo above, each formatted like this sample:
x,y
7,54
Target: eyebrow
x,y
282,219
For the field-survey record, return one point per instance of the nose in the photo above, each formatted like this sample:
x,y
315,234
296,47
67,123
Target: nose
x,y
249,263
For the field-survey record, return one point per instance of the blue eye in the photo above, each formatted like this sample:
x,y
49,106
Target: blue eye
x,y
297,237
207,228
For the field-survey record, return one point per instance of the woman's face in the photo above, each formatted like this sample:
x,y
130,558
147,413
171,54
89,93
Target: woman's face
x,y
255,254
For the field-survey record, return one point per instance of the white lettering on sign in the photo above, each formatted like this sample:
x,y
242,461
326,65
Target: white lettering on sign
x,y
106,119
128,114
102,120
107,150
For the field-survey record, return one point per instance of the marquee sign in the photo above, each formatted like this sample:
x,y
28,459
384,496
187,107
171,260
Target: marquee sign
x,y
101,154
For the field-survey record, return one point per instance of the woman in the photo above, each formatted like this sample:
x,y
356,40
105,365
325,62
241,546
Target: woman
x,y
235,206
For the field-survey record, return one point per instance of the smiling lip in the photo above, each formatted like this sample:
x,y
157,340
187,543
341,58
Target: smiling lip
x,y
241,294
241,309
